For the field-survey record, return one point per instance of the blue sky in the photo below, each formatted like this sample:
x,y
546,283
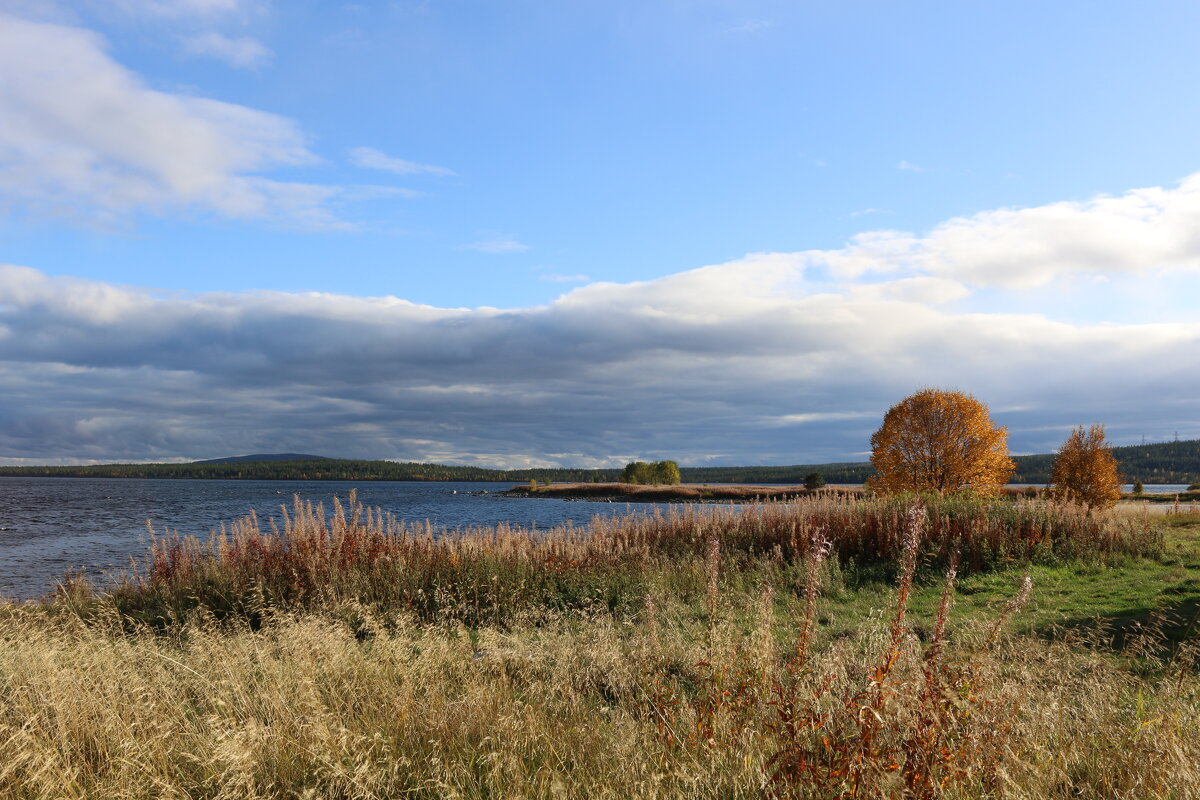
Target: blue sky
x,y
578,233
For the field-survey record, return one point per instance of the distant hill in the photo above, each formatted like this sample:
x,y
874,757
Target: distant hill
x,y
263,457
1164,462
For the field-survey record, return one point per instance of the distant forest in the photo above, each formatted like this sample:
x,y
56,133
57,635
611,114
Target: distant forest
x,y
1164,462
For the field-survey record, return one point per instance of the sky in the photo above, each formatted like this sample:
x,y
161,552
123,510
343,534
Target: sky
x,y
516,233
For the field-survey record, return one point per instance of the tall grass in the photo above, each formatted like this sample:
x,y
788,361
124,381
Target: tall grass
x,y
484,576
715,696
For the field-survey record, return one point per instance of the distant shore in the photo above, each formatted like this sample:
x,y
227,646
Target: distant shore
x,y
705,493
678,493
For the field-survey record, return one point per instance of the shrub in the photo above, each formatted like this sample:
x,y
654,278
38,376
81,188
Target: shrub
x,y
1085,470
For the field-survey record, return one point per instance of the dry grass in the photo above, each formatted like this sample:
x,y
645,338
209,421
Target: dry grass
x,y
714,683
587,705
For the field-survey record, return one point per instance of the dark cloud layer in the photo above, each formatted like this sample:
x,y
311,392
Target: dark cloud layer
x,y
738,363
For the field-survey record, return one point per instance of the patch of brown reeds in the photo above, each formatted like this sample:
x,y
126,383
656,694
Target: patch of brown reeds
x,y
483,575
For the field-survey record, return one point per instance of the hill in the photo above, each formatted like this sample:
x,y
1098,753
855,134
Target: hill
x,y
1163,462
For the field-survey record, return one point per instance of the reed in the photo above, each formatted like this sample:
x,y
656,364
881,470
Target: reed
x,y
482,576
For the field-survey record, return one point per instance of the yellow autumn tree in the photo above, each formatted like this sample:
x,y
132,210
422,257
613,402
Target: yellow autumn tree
x,y
940,441
1085,470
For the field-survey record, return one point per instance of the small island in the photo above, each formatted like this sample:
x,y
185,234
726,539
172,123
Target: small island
x,y
675,493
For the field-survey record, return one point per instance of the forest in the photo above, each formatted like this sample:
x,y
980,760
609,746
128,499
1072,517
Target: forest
x,y
1161,462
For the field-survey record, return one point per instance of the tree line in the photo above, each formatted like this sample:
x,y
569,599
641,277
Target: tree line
x,y
1162,462
316,469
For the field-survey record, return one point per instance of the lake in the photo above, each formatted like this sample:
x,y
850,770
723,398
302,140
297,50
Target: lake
x,y
50,525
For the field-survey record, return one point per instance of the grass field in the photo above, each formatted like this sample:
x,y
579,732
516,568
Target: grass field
x,y
828,648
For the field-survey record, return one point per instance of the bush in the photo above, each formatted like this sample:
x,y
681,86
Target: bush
x,y
656,473
1085,470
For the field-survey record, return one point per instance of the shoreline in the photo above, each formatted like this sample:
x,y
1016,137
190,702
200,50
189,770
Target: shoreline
x,y
729,493
678,493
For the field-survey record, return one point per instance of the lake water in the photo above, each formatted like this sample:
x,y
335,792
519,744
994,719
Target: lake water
x,y
50,525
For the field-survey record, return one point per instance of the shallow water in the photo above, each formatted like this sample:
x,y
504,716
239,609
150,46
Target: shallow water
x,y
50,525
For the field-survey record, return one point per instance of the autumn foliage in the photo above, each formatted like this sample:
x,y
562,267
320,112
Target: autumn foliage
x,y
940,441
1085,470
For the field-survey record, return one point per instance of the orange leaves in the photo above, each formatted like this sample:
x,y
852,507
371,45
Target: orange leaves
x,y
1085,470
940,441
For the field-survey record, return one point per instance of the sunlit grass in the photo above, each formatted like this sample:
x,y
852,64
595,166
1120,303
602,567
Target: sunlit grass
x,y
649,657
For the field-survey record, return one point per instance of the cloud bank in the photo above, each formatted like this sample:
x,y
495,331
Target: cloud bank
x,y
767,359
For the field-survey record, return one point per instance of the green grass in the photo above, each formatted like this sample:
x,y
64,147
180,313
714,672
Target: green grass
x,y
1086,596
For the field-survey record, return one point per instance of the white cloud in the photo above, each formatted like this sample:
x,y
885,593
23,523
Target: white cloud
x,y
371,158
241,52
85,138
908,166
496,245
922,289
1141,232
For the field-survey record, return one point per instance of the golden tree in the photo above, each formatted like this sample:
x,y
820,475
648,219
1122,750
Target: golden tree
x,y
1085,470
940,441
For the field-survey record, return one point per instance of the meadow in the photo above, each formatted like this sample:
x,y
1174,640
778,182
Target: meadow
x,y
829,647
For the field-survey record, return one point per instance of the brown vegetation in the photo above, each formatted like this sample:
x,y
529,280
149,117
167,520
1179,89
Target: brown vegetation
x,y
490,575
